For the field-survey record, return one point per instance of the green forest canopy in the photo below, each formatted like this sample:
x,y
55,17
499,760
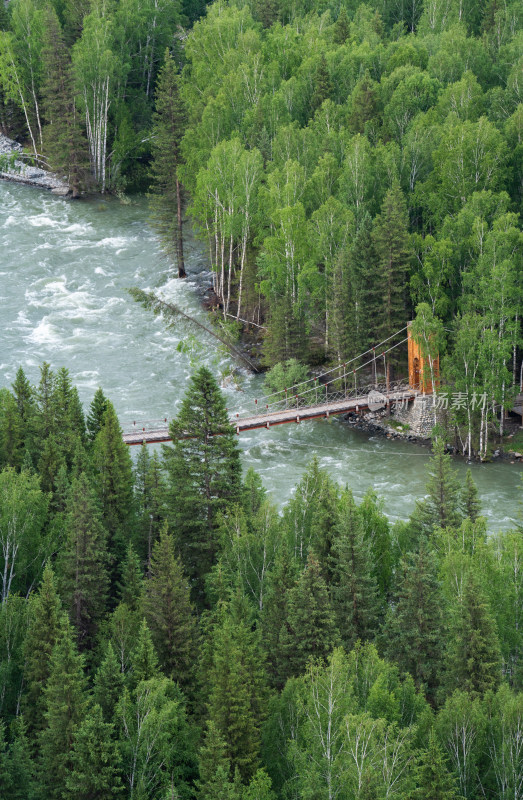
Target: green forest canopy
x,y
166,633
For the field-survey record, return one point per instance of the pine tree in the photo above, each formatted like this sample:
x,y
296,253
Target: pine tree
x,y
95,417
144,661
83,563
341,27
393,252
108,684
17,768
237,688
95,761
204,472
323,88
354,590
434,780
413,629
150,492
11,432
115,482
41,637
169,612
441,507
50,464
214,767
65,700
69,415
275,611
364,104
168,129
309,629
65,145
25,401
473,658
131,584
469,498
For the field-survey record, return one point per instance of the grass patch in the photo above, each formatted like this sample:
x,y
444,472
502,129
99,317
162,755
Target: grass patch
x,y
515,442
403,427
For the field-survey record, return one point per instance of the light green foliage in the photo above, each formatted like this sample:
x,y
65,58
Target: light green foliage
x,y
283,378
154,739
23,543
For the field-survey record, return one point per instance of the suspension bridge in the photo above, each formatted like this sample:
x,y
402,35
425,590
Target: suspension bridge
x,y
343,389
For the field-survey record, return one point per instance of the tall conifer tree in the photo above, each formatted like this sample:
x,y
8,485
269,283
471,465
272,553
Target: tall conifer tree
x,y
413,630
114,484
393,252
83,563
65,144
42,634
169,612
65,699
204,474
168,129
473,655
354,590
309,629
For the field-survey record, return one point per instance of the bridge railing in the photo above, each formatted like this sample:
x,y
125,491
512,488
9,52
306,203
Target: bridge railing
x,y
323,394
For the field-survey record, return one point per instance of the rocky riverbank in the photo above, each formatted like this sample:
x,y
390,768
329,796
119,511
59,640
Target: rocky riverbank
x,y
17,170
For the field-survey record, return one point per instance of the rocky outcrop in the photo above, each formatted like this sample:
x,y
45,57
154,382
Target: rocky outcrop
x,y
15,169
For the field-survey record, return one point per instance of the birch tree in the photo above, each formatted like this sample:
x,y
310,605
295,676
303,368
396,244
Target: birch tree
x,y
95,71
23,509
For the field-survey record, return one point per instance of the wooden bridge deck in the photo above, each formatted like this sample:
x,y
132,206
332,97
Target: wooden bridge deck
x,y
283,417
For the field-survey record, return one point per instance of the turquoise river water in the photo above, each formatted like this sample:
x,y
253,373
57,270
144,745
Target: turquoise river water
x,y
64,267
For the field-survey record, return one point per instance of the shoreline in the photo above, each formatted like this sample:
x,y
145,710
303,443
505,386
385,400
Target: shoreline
x,y
26,174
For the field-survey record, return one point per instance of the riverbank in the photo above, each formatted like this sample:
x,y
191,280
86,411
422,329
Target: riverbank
x,y
15,170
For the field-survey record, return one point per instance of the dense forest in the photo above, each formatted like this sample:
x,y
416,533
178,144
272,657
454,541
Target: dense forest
x,y
166,633
347,164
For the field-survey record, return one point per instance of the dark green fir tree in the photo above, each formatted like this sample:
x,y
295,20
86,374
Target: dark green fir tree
x,y
413,630
354,588
170,614
434,780
166,199
114,485
391,242
95,417
214,768
66,704
323,88
42,635
309,629
144,661
84,578
441,507
65,143
204,475
469,498
95,761
341,27
473,658
108,684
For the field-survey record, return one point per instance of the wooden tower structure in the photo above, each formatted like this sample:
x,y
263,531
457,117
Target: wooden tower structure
x,y
419,368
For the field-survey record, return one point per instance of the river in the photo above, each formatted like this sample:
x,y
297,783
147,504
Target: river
x,y
64,268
